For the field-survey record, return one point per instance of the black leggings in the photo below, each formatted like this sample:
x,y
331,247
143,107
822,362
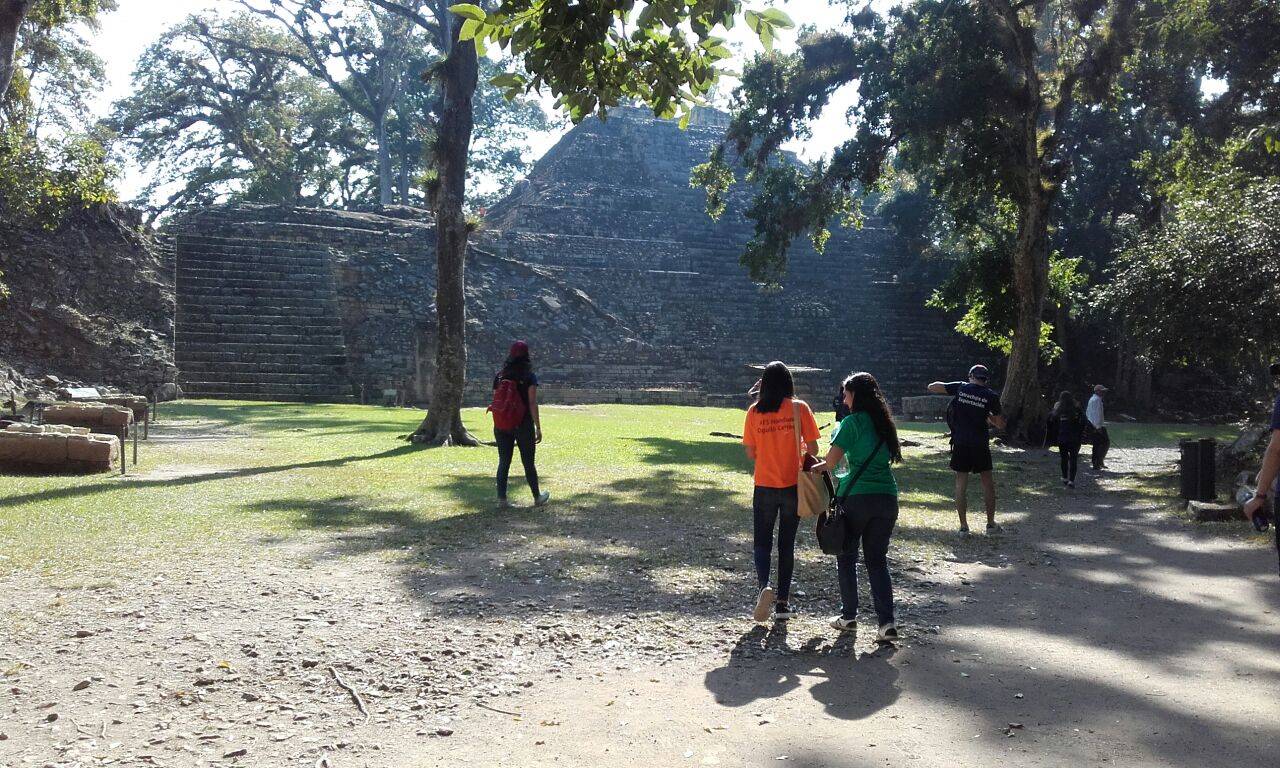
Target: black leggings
x,y
507,442
1069,458
770,506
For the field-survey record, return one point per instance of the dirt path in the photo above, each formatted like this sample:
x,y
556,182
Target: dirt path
x,y
1104,635
1095,632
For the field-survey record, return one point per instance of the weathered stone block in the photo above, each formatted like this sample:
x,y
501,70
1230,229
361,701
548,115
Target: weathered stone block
x,y
1213,512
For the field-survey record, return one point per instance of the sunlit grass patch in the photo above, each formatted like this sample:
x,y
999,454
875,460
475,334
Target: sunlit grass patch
x,y
229,474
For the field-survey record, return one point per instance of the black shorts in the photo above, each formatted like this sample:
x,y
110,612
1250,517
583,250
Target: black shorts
x,y
971,458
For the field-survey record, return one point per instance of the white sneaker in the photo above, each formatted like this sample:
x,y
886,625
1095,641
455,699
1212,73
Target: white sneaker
x,y
844,625
542,499
764,605
887,634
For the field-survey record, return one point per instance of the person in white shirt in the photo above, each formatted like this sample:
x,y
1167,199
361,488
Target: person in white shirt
x,y
1096,415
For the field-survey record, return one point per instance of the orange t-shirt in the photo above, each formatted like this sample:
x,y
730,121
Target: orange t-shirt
x,y
773,436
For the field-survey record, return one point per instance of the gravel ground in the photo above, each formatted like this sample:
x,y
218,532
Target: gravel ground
x,y
563,638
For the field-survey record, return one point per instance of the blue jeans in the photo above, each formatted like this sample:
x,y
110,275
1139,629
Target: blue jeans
x,y
507,442
880,510
770,505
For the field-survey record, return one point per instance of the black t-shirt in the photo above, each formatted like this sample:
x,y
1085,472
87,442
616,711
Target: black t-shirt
x,y
1275,414
972,404
1069,426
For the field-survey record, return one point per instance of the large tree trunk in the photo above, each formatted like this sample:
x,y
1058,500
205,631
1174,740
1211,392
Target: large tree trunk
x,y
458,74
12,12
1023,404
384,163
402,179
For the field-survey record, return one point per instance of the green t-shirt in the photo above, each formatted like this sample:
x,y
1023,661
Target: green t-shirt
x,y
857,436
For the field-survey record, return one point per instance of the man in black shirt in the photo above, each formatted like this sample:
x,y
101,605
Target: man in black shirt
x,y
975,405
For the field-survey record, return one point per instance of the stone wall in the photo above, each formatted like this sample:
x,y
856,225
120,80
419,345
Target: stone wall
x,y
604,261
89,303
610,209
381,272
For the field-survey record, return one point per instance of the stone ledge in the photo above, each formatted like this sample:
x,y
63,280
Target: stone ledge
x,y
1214,512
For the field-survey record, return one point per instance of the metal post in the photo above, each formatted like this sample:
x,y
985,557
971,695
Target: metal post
x,y
146,423
135,443
122,464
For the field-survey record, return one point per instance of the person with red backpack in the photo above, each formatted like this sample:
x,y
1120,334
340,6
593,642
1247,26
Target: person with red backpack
x,y
515,420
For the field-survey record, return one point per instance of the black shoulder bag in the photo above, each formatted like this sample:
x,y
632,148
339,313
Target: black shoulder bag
x,y
835,525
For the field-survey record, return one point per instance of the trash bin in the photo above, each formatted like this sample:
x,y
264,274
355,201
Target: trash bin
x,y
1199,465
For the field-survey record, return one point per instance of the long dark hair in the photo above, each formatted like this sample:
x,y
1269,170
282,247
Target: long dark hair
x,y
775,386
868,398
1067,404
517,367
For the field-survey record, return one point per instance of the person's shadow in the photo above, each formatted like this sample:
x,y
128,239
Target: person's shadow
x,y
761,665
857,686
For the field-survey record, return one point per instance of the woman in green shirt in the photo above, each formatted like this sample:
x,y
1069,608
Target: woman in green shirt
x,y
872,503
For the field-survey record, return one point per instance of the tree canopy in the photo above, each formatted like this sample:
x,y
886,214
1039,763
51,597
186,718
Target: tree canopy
x,y
221,109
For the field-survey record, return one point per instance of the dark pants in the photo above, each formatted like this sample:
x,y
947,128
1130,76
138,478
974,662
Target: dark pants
x,y
780,505
874,540
1101,444
507,442
1069,458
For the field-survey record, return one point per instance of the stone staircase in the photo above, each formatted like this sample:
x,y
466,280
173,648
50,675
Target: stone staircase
x,y
258,319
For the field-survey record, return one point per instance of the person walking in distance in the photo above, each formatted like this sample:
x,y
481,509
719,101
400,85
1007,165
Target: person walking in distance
x,y
1097,417
769,436
866,439
838,404
1066,427
516,421
973,407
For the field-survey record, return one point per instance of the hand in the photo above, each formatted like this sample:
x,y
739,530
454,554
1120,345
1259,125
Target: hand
x,y
537,435
1252,506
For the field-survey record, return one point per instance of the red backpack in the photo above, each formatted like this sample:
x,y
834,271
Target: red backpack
x,y
508,408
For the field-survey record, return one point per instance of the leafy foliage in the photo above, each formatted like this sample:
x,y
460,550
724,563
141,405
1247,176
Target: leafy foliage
x,y
216,114
595,54
1201,288
56,79
51,161
221,110
41,182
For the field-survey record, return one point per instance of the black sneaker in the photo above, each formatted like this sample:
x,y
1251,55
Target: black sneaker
x,y
994,528
782,611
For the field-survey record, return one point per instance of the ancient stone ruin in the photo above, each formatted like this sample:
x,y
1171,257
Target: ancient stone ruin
x,y
603,259
89,302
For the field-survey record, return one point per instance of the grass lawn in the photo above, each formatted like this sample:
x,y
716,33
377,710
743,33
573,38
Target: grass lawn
x,y
219,474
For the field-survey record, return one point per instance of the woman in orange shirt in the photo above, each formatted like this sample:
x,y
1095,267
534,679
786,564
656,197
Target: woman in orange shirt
x,y
770,439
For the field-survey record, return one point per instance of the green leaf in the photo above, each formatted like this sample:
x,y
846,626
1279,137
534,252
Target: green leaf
x,y
684,120
645,19
507,80
469,29
766,37
778,19
468,11
753,21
